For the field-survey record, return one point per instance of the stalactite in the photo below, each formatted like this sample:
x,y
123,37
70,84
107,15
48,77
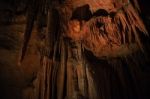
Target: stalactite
x,y
62,73
31,15
65,71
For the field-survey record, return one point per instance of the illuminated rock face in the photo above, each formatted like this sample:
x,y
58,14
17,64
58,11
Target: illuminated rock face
x,y
104,28
94,5
113,65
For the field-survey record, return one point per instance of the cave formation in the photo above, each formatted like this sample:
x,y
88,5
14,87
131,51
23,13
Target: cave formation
x,y
74,49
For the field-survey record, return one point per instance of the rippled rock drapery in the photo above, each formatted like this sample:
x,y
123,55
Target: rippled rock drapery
x,y
87,48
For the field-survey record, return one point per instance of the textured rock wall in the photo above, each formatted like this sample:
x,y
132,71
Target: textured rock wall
x,y
14,78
